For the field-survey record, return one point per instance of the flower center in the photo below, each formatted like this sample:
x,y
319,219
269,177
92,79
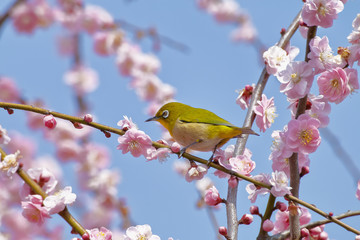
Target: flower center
x,y
322,10
295,78
305,136
335,83
133,145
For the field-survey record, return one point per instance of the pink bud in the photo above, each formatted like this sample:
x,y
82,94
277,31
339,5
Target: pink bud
x,y
357,237
254,210
85,236
323,236
281,206
107,134
49,121
175,147
212,196
268,225
315,231
304,170
77,125
305,232
88,118
246,219
223,231
233,181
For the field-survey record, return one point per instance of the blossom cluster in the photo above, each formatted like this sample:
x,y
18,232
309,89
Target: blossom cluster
x,y
229,11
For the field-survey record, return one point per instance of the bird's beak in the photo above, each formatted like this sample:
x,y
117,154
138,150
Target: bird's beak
x,y
152,119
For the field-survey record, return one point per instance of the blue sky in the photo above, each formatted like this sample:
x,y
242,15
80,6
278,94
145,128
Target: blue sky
x,y
207,76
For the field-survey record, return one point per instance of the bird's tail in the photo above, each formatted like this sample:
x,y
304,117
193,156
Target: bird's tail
x,y
247,130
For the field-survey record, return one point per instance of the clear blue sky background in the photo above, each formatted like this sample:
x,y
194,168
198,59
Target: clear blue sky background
x,y
207,76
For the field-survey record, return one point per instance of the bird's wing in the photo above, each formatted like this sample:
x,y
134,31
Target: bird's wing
x,y
204,116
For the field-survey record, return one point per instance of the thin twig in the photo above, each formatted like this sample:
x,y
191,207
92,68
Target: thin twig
x,y
154,35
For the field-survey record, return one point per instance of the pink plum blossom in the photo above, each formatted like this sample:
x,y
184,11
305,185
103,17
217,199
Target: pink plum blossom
x,y
69,6
317,107
303,134
181,167
354,54
276,59
43,178
56,203
203,185
139,232
68,149
104,182
279,148
243,100
96,18
161,154
334,85
26,145
246,32
83,79
321,55
134,141
282,164
106,43
149,87
358,190
265,113
130,59
321,12
354,37
34,211
282,219
254,191
10,163
279,182
352,75
126,123
44,12
242,164
281,153
49,121
296,79
4,137
24,18
212,196
195,172
102,234
9,92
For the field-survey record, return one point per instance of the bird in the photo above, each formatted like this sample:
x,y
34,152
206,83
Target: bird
x,y
196,128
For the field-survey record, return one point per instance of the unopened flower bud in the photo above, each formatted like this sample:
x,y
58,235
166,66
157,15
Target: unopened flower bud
x,y
49,121
268,225
246,219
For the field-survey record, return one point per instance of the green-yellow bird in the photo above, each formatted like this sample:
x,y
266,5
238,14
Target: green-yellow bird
x,y
196,128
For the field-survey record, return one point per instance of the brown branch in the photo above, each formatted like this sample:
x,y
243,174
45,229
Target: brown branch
x,y
7,13
65,214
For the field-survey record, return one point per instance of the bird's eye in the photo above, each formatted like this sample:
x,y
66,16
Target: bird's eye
x,y
165,114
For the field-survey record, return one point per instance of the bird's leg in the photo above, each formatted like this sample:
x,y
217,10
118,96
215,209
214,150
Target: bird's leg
x,y
212,155
183,150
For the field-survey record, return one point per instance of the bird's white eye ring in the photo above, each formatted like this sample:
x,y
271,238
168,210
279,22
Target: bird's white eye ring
x,y
165,114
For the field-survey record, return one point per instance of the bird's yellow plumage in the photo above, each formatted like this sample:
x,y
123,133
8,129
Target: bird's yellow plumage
x,y
196,128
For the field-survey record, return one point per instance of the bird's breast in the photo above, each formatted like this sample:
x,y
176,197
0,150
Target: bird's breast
x,y
187,133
